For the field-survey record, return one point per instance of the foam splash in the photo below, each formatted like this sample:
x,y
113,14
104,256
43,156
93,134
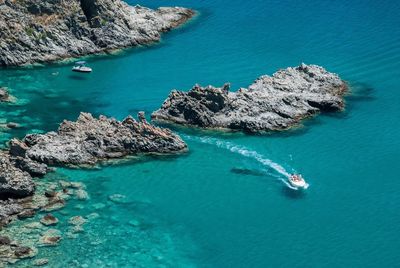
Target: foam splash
x,y
249,154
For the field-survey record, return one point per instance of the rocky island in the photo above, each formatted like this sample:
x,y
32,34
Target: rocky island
x,y
271,103
84,142
34,31
89,140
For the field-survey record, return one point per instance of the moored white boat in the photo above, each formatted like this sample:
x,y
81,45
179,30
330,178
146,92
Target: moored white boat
x,y
81,67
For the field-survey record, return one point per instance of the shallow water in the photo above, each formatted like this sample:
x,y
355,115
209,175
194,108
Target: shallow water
x,y
194,209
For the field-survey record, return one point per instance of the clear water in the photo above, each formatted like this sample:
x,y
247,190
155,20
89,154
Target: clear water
x,y
222,204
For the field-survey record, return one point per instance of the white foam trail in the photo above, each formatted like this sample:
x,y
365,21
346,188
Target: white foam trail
x,y
289,185
250,154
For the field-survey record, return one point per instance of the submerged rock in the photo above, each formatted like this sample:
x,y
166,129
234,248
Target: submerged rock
x,y
41,262
48,220
28,213
54,204
81,194
77,220
117,198
22,252
13,125
89,140
271,103
41,31
50,237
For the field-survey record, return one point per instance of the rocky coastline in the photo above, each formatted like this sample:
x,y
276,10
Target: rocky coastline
x,y
83,142
44,31
271,103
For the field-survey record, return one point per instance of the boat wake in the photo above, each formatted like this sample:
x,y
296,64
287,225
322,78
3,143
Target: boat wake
x,y
246,152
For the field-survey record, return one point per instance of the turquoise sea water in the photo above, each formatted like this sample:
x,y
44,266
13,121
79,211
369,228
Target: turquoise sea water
x,y
224,204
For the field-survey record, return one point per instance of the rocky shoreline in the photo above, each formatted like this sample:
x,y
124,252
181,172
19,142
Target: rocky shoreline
x,y
84,142
22,239
44,31
271,103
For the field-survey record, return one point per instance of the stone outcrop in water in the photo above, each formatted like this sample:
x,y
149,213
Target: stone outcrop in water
x,y
46,30
271,103
83,142
13,181
89,140
4,95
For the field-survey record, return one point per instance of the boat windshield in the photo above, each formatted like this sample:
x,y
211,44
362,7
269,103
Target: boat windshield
x,y
296,177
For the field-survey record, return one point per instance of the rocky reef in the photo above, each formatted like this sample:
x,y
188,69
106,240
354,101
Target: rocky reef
x,y
34,31
84,142
24,239
271,103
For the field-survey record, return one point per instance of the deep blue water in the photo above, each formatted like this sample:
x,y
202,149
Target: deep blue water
x,y
199,209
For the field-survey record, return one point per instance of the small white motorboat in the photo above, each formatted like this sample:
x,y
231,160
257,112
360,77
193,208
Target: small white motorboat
x,y
81,67
296,180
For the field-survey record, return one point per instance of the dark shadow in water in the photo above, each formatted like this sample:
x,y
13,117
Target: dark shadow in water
x,y
360,92
45,113
293,194
247,171
81,77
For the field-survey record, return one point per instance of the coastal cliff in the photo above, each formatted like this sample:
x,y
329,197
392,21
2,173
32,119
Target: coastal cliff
x,y
271,103
34,31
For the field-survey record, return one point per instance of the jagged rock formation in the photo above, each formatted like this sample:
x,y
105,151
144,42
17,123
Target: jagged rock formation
x,y
46,30
4,96
83,142
13,181
271,103
89,140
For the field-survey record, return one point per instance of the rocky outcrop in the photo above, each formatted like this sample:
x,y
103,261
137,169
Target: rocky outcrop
x,y
23,240
4,96
89,140
34,31
271,103
13,181
83,142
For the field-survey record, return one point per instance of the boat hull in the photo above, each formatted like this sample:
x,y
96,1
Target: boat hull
x,y
301,184
82,70
297,182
